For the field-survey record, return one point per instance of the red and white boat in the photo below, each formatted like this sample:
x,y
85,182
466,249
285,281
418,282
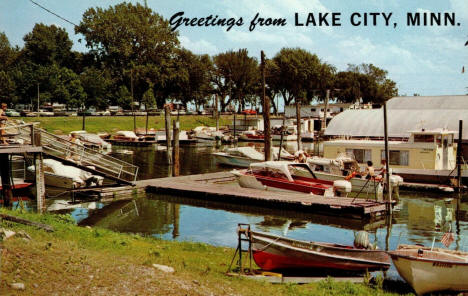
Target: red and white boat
x,y
288,176
272,252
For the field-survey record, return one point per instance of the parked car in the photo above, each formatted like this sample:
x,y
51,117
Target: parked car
x,y
249,112
12,113
45,113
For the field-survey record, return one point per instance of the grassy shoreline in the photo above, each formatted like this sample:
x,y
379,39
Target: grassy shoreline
x,y
111,124
84,261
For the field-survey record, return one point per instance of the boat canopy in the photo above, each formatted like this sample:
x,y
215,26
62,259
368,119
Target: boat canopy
x,y
283,167
248,152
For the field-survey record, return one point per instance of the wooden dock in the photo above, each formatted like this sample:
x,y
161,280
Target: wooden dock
x,y
222,186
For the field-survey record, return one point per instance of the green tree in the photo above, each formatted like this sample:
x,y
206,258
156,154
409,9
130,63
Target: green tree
x,y
46,45
296,74
236,74
97,85
132,42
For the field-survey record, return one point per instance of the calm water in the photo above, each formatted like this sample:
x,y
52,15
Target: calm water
x,y
421,216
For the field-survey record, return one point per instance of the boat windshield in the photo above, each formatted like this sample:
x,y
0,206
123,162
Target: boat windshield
x,y
299,171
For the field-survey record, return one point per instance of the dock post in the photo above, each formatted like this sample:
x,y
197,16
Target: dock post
x,y
216,114
325,111
167,114
459,156
298,123
39,174
387,159
175,151
40,183
266,112
5,170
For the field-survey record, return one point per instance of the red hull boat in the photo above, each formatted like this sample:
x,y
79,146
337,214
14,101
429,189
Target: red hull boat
x,y
272,252
288,176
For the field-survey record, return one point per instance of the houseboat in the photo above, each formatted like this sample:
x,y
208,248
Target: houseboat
x,y
428,156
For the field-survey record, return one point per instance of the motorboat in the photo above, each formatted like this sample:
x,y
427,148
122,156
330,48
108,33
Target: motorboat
x,y
244,156
126,136
146,135
59,175
252,136
344,167
432,269
90,140
205,133
272,252
290,177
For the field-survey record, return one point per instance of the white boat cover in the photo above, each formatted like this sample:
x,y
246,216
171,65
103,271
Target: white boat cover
x,y
128,134
248,152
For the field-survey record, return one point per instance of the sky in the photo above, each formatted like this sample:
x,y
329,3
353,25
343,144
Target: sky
x,y
426,60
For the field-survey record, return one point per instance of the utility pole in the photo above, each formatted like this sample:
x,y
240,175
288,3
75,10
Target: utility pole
x,y
37,100
266,112
133,100
459,156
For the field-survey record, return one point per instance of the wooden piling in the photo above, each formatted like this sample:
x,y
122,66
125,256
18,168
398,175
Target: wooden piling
x,y
5,170
387,160
459,155
325,111
175,151
298,124
266,112
215,112
167,114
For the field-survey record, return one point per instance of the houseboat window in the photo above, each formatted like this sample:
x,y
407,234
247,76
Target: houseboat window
x,y
423,138
450,140
313,110
397,157
361,155
439,140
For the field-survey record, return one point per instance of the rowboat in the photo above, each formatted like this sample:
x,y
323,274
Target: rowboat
x,y
433,270
288,176
271,252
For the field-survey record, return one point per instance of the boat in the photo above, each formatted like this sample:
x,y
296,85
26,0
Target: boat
x,y
90,140
59,175
272,252
244,156
146,135
160,136
252,136
344,167
427,157
208,134
431,269
126,136
290,177
18,184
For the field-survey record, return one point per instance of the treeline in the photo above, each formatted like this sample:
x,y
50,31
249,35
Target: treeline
x,y
132,51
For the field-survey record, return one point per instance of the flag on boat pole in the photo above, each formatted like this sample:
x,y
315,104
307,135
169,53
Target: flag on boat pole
x,y
447,239
463,69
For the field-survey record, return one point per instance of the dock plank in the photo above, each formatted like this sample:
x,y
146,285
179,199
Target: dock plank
x,y
210,186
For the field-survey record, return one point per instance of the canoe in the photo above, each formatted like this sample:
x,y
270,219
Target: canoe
x,y
272,252
433,270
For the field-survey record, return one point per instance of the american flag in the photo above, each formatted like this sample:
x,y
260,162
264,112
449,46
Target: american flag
x,y
447,239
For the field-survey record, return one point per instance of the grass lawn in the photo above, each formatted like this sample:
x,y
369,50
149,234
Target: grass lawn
x,y
75,260
111,124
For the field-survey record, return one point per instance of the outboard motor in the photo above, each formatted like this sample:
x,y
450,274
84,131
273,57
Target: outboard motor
x,y
361,240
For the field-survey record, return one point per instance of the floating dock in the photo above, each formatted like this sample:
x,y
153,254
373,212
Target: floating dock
x,y
223,187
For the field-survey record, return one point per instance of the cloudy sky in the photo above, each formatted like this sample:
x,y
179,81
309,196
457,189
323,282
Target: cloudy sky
x,y
427,60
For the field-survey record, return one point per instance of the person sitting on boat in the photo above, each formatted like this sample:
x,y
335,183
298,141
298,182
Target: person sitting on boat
x,y
300,156
370,172
3,119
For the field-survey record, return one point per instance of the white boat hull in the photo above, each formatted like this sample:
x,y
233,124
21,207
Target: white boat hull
x,y
223,158
429,276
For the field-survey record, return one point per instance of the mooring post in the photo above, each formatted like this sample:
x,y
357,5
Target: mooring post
x,y
266,112
40,183
175,151
298,123
167,114
5,170
234,124
459,156
216,113
387,159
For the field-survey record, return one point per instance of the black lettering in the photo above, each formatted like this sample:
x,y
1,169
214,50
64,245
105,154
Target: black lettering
x,y
353,22
310,19
387,18
323,19
176,20
412,19
336,17
296,20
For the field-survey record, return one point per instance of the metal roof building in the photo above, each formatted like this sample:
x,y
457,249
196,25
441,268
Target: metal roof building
x,y
404,114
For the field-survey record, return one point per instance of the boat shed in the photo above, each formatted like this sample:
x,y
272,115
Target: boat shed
x,y
404,114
